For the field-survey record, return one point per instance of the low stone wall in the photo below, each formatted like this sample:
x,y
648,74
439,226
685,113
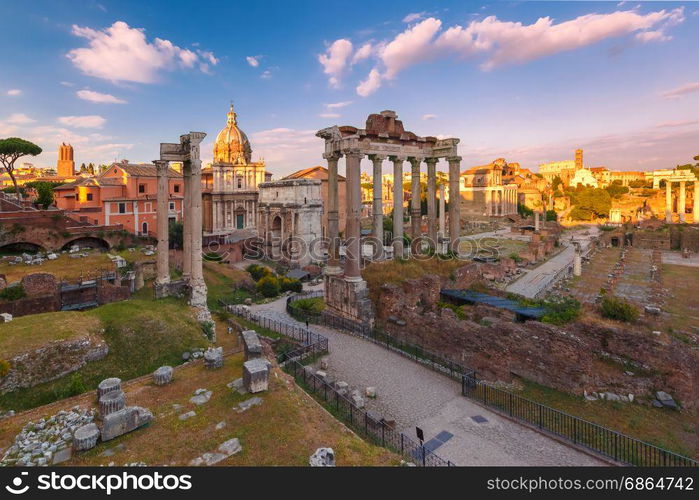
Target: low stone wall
x,y
52,361
31,305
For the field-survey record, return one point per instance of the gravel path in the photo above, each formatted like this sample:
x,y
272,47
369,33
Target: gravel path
x,y
413,395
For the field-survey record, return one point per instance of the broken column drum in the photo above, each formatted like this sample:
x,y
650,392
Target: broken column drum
x,y
111,402
256,375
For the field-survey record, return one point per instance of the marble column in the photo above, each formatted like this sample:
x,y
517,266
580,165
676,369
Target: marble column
x,y
695,205
442,218
197,285
682,201
187,222
415,216
668,201
377,215
577,261
333,266
163,264
454,197
353,158
536,220
397,207
431,201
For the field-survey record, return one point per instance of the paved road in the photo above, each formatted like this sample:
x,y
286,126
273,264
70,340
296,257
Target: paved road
x,y
536,280
413,395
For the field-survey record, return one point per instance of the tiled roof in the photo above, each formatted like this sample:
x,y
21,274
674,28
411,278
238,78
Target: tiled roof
x,y
300,174
144,170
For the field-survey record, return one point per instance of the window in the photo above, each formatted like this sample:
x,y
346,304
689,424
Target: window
x,y
148,207
177,188
141,188
122,208
88,197
145,228
240,183
172,205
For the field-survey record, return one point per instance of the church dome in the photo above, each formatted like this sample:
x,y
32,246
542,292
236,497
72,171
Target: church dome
x,y
232,145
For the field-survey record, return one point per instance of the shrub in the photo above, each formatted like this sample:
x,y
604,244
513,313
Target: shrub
x,y
258,272
290,285
561,311
268,286
618,309
208,328
4,367
13,293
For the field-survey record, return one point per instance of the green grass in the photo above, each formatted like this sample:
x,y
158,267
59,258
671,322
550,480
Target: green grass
x,y
142,334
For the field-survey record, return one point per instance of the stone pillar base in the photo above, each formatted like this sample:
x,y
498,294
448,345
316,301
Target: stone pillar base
x,y
176,288
348,300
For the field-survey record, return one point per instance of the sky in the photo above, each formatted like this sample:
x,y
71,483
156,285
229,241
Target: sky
x,y
525,81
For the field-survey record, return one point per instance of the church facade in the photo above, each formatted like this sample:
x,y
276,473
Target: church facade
x,y
230,186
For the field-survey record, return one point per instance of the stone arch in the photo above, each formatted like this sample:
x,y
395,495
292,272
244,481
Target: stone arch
x,y
88,241
21,246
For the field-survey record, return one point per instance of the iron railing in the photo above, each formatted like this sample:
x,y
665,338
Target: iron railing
x,y
608,443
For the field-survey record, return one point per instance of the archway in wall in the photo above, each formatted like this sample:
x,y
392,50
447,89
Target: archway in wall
x,y
20,247
88,242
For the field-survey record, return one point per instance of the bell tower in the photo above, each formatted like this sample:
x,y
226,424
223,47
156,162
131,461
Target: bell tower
x,y
66,165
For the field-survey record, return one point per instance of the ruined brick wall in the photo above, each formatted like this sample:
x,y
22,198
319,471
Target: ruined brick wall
x,y
112,293
576,357
39,284
31,305
653,240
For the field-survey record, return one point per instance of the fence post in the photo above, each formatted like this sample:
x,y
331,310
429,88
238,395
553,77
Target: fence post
x,y
402,452
423,455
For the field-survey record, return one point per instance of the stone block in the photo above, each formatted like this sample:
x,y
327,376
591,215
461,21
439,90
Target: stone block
x,y
85,437
252,345
163,375
323,457
213,358
201,396
125,420
62,455
111,402
5,317
255,375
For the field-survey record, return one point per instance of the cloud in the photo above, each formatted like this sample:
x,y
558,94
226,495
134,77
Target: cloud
x,y
253,61
494,41
266,74
120,53
335,59
429,117
413,17
681,91
87,121
337,105
678,123
330,115
363,52
67,84
371,84
19,119
286,149
92,96
14,92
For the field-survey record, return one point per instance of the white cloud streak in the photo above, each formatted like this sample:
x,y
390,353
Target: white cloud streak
x,y
98,97
86,121
681,91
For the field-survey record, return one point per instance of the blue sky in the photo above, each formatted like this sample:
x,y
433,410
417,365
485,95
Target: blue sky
x,y
528,81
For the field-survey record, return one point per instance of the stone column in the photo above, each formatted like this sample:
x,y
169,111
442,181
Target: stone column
x,y
682,202
536,220
431,201
197,285
454,197
187,221
415,197
377,161
577,262
333,266
163,265
397,207
442,218
353,158
668,201
695,205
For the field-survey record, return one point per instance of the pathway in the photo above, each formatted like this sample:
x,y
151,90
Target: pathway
x,y
413,395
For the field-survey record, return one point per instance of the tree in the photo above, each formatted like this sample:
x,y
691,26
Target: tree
x,y
175,232
13,148
83,168
91,168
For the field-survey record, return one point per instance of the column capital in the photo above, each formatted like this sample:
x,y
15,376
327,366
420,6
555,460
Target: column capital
x,y
415,159
432,160
377,157
353,153
161,166
453,159
397,159
335,155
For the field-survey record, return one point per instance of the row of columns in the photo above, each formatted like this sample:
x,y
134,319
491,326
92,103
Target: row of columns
x,y
681,201
353,159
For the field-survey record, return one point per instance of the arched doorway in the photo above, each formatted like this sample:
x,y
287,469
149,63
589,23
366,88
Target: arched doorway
x,y
87,242
21,247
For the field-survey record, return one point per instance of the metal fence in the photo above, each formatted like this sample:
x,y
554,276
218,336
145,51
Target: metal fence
x,y
360,420
611,444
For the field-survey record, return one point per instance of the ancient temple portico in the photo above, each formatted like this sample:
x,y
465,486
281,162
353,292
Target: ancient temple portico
x,y
383,138
187,152
681,178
